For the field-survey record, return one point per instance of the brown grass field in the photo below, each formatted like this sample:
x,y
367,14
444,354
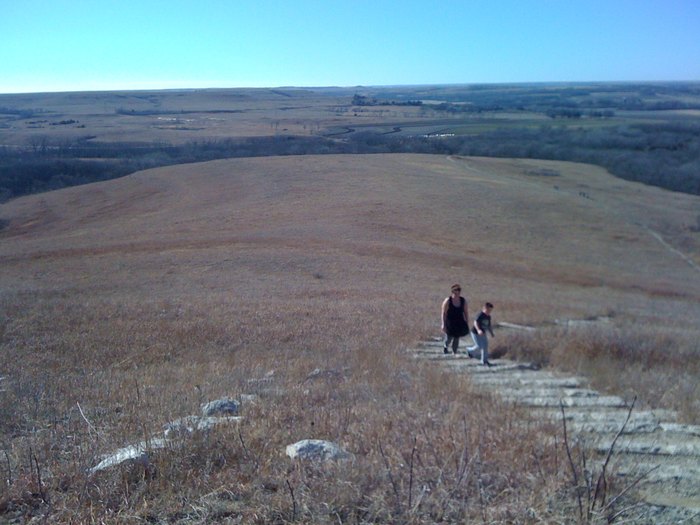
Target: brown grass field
x,y
137,299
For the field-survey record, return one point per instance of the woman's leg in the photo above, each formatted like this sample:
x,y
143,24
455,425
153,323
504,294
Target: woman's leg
x,y
448,340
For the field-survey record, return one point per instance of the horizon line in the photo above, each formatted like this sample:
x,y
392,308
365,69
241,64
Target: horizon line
x,y
353,86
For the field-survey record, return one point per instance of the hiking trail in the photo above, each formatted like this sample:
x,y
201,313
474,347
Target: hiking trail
x,y
653,445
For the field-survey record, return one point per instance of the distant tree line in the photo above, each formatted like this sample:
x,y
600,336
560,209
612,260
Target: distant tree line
x,y
362,100
151,112
20,112
588,99
44,166
665,155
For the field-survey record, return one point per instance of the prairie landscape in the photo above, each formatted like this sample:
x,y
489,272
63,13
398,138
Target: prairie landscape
x,y
126,304
645,132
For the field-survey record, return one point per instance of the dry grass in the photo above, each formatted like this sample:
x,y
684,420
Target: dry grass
x,y
467,462
140,298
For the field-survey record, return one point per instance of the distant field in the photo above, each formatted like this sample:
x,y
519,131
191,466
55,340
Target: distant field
x,y
179,116
646,132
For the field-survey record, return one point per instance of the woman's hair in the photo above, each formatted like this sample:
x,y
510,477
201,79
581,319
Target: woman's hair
x,y
455,287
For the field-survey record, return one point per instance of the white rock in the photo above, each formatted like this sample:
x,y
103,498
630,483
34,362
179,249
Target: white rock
x,y
185,426
224,406
137,453
316,450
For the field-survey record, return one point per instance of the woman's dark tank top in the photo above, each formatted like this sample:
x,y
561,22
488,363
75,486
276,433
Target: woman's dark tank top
x,y
454,322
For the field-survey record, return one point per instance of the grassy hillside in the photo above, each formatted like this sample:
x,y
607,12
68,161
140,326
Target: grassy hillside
x,y
125,304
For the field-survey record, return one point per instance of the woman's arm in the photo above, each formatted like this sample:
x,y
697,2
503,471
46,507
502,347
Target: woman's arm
x,y
466,312
443,314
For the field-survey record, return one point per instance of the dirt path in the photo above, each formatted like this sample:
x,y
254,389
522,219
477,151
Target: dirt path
x,y
671,249
652,445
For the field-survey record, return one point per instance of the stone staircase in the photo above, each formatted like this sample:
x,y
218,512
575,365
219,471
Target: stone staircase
x,y
652,446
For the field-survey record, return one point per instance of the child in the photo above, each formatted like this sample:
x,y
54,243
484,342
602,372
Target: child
x,y
482,324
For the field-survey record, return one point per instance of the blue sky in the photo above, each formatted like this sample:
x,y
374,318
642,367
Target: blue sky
x,y
71,45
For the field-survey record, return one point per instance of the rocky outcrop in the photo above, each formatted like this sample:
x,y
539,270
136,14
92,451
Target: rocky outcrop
x,y
215,413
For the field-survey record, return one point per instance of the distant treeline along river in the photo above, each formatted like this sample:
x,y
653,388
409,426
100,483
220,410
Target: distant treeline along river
x,y
665,155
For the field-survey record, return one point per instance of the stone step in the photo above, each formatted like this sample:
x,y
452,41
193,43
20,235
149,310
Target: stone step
x,y
528,391
676,501
692,430
594,402
440,355
540,380
652,444
603,422
606,412
659,470
611,427
473,367
514,375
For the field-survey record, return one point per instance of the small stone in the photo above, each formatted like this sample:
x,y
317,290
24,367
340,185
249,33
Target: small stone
x,y
225,406
316,450
186,426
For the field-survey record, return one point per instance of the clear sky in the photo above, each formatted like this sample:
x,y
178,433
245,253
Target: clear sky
x,y
70,45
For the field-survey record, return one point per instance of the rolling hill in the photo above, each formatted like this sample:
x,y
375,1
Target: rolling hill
x,y
140,297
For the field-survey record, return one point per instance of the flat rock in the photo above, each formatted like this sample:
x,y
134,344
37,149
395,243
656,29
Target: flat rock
x,y
474,368
549,401
137,453
660,444
660,470
316,450
605,421
528,391
186,426
691,430
221,407
529,380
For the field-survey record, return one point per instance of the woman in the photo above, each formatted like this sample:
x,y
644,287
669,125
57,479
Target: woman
x,y
455,319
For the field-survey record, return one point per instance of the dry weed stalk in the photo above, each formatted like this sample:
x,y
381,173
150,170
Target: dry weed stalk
x,y
596,505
